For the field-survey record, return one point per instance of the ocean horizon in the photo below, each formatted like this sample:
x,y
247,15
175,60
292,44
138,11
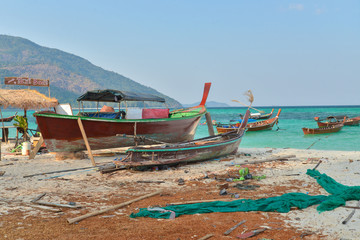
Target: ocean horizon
x,y
287,134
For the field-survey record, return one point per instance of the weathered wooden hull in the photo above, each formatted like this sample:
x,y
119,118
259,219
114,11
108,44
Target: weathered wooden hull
x,y
262,116
330,129
197,150
62,133
348,122
8,119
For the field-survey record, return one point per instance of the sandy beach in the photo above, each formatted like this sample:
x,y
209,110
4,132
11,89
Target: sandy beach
x,y
93,191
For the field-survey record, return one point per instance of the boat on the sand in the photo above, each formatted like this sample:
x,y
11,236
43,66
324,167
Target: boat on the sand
x,y
62,133
190,151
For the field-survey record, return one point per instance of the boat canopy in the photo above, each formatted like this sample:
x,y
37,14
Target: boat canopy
x,y
110,95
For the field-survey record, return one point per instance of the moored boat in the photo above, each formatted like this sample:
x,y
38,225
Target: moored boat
x,y
259,116
62,132
254,126
191,151
334,120
7,119
329,129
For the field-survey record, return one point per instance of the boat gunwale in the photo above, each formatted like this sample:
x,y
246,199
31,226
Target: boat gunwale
x,y
187,148
75,117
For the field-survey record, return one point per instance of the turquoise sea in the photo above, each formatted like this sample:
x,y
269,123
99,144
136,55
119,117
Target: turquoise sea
x,y
289,135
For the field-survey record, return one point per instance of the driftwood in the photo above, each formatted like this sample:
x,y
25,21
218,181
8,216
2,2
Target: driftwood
x,y
149,181
317,165
38,198
48,208
234,227
206,236
57,205
201,201
7,164
78,219
351,214
279,158
67,170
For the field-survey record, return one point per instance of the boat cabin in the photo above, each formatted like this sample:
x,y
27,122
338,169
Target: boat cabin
x,y
123,112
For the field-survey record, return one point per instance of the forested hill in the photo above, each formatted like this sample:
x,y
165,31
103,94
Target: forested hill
x,y
70,75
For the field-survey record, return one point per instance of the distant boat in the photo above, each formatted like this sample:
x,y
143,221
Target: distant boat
x,y
254,126
259,116
334,120
62,132
191,151
7,119
329,129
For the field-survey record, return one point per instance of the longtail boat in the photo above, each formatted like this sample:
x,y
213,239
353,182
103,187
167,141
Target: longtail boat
x,y
329,129
197,150
7,119
254,126
334,120
259,116
62,132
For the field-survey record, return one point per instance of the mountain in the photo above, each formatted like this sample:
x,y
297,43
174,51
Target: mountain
x,y
208,104
70,75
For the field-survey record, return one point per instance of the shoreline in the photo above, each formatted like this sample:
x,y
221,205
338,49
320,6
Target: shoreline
x,y
87,186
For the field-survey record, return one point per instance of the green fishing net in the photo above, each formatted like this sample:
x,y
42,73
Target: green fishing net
x,y
339,194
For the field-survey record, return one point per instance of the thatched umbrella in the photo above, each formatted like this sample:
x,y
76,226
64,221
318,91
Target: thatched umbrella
x,y
25,99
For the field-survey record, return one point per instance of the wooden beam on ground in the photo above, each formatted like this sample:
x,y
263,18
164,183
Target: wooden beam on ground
x,y
37,148
56,205
279,158
233,228
86,141
202,201
206,236
78,219
209,124
351,214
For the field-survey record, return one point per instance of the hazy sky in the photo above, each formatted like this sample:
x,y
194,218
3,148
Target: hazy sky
x,y
286,52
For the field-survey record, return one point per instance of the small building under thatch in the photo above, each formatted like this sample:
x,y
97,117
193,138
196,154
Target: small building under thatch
x,y
25,99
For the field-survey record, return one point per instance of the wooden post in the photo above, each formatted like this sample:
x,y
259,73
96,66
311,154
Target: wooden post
x,y
209,124
86,141
78,219
37,147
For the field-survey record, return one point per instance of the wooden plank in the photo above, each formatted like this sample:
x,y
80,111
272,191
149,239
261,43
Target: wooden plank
x,y
206,236
57,205
233,228
78,219
37,148
86,142
209,124
351,214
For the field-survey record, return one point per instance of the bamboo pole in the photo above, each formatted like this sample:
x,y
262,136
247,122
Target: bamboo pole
x,y
249,106
78,219
86,141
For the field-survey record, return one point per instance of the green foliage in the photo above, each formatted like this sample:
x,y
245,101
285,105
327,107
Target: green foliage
x,y
21,122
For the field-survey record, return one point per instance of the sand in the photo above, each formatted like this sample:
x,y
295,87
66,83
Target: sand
x,y
94,191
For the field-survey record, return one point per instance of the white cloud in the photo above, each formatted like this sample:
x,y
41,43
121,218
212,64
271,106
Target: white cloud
x,y
296,6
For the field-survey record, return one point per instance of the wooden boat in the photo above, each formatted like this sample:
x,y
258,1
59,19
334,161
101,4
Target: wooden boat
x,y
7,119
334,120
191,151
258,116
62,132
255,126
329,129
